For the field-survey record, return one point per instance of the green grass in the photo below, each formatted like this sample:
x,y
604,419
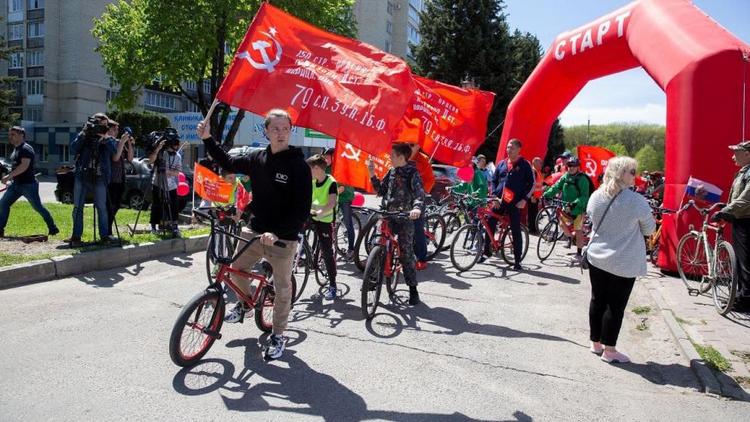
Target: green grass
x,y
641,310
713,358
24,221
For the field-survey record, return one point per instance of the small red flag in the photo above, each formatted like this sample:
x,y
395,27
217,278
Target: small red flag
x,y
594,160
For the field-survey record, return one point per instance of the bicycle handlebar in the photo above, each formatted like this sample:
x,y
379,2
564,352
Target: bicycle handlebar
x,y
211,214
702,211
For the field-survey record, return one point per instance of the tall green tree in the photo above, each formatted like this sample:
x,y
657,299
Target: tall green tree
x,y
169,43
7,91
555,144
471,37
648,159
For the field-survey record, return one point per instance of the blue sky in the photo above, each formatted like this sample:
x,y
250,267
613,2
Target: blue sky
x,y
629,96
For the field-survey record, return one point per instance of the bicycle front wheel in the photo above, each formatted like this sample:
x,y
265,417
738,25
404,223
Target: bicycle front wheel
x,y
724,287
547,240
196,328
467,247
321,272
692,264
372,282
506,243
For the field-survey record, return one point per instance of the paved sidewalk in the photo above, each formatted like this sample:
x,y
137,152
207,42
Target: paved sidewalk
x,y
729,335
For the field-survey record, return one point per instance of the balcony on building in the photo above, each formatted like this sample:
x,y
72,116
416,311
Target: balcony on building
x,y
16,73
34,71
35,42
35,14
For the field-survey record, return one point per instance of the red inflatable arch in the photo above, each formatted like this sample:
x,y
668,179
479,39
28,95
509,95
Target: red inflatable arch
x,y
699,65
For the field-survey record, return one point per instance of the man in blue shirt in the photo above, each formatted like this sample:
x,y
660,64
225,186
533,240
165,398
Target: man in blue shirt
x,y
512,182
24,183
93,151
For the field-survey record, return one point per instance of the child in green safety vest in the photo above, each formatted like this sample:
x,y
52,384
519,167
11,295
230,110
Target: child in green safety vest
x,y
323,211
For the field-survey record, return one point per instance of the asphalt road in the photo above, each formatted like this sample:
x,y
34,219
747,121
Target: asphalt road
x,y
490,344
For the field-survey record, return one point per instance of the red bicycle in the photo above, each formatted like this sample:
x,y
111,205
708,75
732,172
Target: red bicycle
x,y
383,264
468,243
199,323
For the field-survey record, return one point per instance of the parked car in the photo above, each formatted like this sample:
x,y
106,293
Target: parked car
x,y
6,166
444,176
137,192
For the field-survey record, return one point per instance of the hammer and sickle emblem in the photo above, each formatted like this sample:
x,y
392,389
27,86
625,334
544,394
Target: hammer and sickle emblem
x,y
263,46
590,167
351,153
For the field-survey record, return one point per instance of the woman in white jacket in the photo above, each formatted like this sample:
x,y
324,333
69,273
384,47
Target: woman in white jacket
x,y
616,253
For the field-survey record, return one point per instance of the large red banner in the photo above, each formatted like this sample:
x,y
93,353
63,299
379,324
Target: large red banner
x,y
594,161
336,85
448,122
349,166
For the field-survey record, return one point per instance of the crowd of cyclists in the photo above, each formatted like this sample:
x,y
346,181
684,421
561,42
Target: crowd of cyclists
x,y
293,196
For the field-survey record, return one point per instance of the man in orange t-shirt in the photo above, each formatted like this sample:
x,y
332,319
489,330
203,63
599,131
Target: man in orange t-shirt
x,y
428,180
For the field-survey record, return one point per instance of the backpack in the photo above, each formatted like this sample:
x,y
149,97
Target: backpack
x,y
591,183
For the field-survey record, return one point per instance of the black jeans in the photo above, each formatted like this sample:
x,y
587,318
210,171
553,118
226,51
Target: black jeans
x,y
609,297
533,211
515,229
114,199
404,229
740,244
324,233
160,214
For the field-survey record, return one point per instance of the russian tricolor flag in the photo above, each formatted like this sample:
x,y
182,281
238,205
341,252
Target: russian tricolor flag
x,y
702,191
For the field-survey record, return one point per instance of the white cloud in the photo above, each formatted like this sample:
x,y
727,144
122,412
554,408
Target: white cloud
x,y
649,113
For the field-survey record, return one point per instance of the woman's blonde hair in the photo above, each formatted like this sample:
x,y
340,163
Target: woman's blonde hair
x,y
614,175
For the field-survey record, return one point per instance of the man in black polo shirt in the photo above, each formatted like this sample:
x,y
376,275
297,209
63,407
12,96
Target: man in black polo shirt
x,y
24,183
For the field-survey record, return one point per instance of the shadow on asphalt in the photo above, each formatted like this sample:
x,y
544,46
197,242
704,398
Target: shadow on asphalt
x,y
289,385
108,278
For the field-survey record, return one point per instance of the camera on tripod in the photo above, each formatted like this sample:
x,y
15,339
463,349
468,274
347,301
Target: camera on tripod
x,y
169,135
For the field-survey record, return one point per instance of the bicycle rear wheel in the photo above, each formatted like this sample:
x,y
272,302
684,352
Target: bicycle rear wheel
x,y
362,245
196,328
452,224
547,240
321,272
301,266
506,242
434,230
467,247
692,264
724,287
372,282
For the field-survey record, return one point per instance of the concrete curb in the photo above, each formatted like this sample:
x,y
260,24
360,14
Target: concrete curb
x,y
69,265
705,375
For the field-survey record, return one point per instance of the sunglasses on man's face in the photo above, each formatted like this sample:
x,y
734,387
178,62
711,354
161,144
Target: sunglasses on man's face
x,y
632,172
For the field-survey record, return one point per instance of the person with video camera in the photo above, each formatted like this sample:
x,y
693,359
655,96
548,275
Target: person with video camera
x,y
166,162
93,151
124,151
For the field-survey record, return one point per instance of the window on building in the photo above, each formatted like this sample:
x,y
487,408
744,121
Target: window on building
x,y
15,61
156,99
191,107
15,6
36,29
387,46
413,14
389,27
413,34
390,8
207,86
15,31
43,153
35,58
111,95
64,153
36,4
33,114
190,86
34,87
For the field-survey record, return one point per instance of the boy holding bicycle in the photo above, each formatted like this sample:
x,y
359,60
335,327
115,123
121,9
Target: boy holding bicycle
x,y
402,190
323,211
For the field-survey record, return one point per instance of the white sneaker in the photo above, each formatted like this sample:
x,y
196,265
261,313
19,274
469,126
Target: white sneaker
x,y
276,345
615,357
237,314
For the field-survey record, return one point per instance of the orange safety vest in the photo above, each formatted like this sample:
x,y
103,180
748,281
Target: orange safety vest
x,y
538,183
